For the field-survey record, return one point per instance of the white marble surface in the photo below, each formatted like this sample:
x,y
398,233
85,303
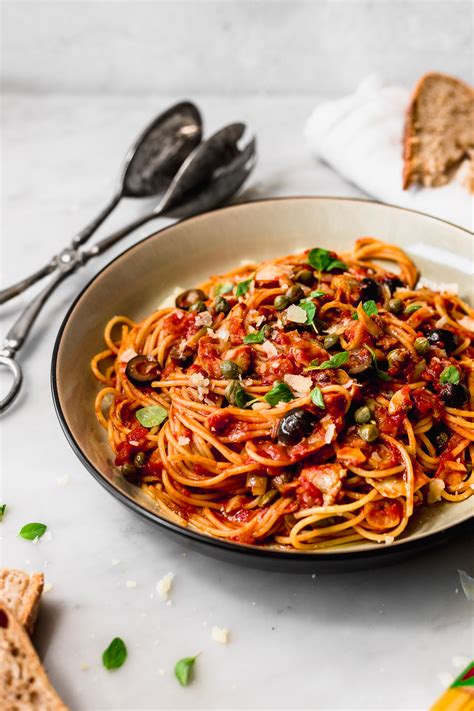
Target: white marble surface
x,y
373,640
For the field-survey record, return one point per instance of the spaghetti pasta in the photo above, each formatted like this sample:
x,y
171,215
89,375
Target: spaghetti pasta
x,y
307,402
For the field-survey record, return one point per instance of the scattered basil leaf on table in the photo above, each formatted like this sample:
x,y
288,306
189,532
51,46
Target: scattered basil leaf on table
x,y
255,337
317,398
115,654
30,531
243,287
2,510
450,375
380,373
151,416
321,260
334,362
183,670
280,392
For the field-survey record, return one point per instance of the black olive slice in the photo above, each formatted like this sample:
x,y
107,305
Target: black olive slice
x,y
142,370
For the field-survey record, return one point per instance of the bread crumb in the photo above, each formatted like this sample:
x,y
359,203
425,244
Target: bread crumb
x,y
220,634
163,586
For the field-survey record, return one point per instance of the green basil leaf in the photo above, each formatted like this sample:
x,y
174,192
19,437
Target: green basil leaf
x,y
151,416
380,373
316,294
280,392
335,264
319,259
2,510
243,287
310,309
334,362
317,398
413,307
115,654
223,289
30,531
183,670
370,308
255,337
450,375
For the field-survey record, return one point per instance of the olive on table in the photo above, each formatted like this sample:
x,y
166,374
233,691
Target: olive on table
x,y
442,338
395,306
230,370
454,394
304,276
222,306
281,302
369,289
181,356
362,415
294,294
295,425
190,297
368,432
422,345
142,370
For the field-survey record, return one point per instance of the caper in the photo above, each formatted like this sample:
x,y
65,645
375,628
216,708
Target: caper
x,y
281,302
222,306
230,370
362,415
368,432
198,307
189,297
139,459
235,394
441,441
304,276
422,345
330,341
395,306
130,472
294,294
396,357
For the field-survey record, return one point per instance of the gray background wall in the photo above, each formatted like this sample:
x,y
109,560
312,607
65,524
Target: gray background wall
x,y
229,46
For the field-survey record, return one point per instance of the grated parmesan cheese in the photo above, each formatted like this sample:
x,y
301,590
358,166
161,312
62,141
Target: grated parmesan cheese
x,y
163,586
389,540
127,355
198,381
261,406
467,323
300,384
220,634
62,480
442,286
329,433
223,334
435,488
203,319
296,314
183,441
269,349
47,587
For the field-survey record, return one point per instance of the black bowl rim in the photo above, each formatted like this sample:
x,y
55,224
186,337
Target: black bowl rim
x,y
408,545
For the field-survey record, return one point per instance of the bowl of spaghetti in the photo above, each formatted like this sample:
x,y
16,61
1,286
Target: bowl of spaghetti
x,y
286,382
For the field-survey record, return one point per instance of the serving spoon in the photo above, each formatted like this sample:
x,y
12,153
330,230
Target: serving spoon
x,y
213,172
148,169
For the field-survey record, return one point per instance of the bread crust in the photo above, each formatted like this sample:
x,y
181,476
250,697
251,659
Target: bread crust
x,y
409,133
21,593
24,684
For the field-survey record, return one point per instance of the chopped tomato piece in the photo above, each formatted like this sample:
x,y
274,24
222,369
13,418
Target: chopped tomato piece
x,y
220,421
426,403
124,450
308,494
327,478
137,436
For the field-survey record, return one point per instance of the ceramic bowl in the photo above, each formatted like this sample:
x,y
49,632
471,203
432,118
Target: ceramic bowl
x,y
185,254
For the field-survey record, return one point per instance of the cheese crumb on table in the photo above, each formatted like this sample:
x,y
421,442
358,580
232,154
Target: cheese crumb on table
x,y
131,584
220,634
163,586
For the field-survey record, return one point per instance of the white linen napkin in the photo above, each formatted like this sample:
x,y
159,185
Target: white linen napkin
x,y
361,135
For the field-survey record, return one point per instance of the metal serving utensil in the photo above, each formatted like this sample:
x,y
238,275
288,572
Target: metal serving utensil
x,y
213,172
147,170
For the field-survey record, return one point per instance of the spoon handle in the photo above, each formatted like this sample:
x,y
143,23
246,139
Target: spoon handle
x,y
64,256
103,244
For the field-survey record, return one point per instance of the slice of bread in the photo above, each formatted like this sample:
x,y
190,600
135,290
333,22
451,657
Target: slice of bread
x,y
21,593
439,130
24,685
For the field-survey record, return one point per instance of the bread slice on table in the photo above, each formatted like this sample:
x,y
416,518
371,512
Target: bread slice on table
x,y
24,685
439,132
21,593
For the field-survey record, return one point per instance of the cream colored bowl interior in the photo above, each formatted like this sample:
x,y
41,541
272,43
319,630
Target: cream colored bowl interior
x,y
137,282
